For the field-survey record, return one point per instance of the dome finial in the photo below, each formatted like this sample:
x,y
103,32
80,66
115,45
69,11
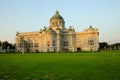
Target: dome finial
x,y
57,12
90,26
56,16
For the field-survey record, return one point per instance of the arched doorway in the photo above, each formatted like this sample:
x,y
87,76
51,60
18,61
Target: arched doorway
x,y
78,49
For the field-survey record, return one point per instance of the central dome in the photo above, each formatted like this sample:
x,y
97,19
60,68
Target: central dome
x,y
57,21
56,16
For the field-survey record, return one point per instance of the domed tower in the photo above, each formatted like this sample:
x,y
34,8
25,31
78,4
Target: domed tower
x,y
57,21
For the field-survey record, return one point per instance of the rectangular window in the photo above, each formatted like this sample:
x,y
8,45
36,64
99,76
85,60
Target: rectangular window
x,y
65,43
36,44
90,42
28,45
31,44
65,49
53,43
48,43
21,45
18,45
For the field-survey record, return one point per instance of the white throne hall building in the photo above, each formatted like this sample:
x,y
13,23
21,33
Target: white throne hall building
x,y
57,38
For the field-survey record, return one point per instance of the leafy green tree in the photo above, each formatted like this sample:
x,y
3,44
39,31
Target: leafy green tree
x,y
6,44
0,43
103,45
115,46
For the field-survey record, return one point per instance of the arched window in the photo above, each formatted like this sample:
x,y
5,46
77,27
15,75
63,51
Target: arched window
x,y
55,23
29,43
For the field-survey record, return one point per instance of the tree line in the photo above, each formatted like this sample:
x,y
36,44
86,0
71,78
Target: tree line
x,y
5,45
106,46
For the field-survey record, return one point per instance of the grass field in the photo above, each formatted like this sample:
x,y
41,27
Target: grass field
x,y
104,65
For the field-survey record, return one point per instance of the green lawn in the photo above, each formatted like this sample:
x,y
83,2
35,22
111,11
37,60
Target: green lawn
x,y
104,65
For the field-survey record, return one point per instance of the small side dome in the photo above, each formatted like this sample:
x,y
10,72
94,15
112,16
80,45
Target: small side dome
x,y
91,28
56,16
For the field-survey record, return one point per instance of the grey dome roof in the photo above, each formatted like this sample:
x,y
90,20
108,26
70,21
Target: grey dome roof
x,y
57,16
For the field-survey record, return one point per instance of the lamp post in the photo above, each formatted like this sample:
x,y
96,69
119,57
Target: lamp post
x,y
8,48
109,45
3,47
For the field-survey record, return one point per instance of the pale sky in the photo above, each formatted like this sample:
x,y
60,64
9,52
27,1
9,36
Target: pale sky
x,y
32,15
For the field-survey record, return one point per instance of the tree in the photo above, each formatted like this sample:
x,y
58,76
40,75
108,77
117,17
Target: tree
x,y
103,45
0,43
5,45
115,46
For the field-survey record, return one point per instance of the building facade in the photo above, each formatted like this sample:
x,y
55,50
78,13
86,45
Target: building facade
x,y
57,38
